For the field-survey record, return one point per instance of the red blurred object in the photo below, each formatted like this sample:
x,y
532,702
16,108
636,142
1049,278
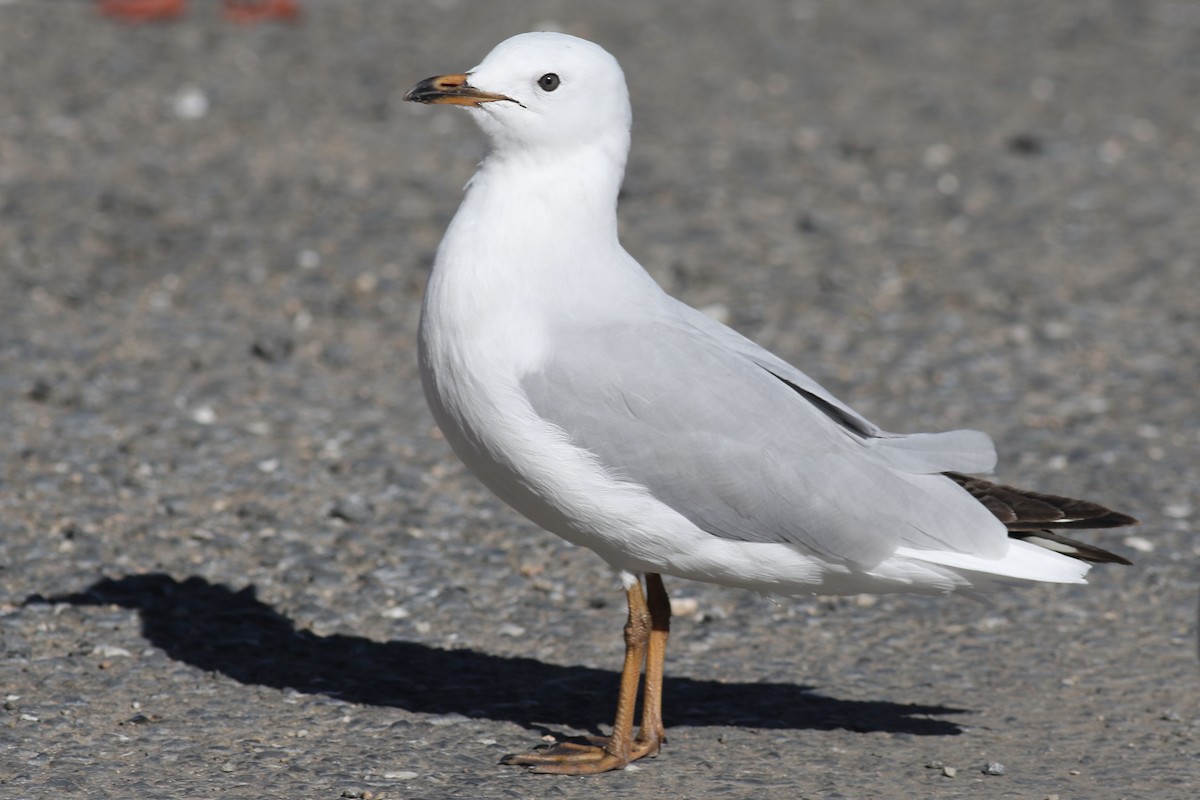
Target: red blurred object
x,y
143,10
240,11
249,11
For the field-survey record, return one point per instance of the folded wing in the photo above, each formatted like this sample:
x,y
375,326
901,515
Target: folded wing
x,y
748,448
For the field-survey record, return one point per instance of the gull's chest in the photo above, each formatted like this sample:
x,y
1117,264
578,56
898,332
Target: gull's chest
x,y
475,346
478,334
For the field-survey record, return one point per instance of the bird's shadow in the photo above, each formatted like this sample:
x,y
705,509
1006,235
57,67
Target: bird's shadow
x,y
212,627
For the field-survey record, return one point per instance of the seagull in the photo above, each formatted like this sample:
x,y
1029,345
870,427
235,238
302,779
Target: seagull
x,y
625,421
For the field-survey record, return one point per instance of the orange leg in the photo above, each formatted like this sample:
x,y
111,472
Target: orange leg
x,y
645,644
652,733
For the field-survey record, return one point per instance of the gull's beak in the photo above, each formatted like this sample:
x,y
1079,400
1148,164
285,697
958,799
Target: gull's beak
x,y
451,89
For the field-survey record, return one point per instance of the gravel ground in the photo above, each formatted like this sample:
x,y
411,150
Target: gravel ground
x,y
237,560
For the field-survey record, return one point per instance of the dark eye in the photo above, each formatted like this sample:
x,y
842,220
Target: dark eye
x,y
549,82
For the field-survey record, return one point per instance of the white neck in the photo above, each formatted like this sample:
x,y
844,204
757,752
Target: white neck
x,y
536,237
566,195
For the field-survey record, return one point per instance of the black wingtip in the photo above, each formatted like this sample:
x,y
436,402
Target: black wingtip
x,y
1031,516
1052,540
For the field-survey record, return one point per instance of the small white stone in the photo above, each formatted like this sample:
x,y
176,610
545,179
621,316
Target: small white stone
x,y
1178,510
1057,463
684,606
442,720
190,102
403,775
110,651
1139,544
308,259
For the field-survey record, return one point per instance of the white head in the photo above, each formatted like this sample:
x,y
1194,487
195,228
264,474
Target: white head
x,y
539,91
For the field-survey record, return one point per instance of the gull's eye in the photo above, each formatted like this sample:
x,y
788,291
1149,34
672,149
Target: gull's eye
x,y
548,82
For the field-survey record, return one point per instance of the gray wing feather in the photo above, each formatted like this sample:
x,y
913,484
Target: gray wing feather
x,y
742,454
739,344
956,451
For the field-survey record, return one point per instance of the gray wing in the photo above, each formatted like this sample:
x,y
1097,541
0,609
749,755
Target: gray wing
x,y
957,451
743,452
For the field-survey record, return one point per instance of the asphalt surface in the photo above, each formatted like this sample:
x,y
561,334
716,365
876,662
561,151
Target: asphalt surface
x,y
236,559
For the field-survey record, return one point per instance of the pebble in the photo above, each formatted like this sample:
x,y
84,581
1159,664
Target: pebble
x,y
993,768
254,511
190,103
1139,543
1178,510
445,719
352,508
110,651
203,415
404,775
308,259
273,347
684,606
